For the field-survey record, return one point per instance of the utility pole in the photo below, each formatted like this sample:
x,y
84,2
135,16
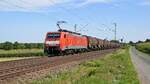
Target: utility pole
x,y
115,31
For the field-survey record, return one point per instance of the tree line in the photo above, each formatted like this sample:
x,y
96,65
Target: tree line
x,y
134,43
16,45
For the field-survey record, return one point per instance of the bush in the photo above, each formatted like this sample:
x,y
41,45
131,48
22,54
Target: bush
x,y
144,47
16,45
21,53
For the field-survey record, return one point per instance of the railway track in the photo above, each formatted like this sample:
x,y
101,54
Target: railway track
x,y
7,71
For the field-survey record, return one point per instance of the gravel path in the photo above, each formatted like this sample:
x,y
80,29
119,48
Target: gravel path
x,y
141,62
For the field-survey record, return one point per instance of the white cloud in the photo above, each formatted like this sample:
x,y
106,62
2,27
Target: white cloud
x,y
38,5
103,1
145,2
147,33
26,5
95,1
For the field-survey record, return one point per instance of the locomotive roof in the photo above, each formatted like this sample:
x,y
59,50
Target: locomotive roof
x,y
63,30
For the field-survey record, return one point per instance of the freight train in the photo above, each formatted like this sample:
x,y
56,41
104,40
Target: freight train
x,y
67,42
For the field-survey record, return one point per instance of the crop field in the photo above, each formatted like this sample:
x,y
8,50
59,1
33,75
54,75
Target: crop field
x,y
144,47
21,53
115,68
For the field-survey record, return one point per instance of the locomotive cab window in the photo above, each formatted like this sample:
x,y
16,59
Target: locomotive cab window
x,y
54,35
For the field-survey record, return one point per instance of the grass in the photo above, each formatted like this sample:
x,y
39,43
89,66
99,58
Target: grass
x,y
144,47
21,53
115,68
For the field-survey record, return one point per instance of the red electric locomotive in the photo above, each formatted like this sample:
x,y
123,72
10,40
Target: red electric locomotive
x,y
67,42
64,41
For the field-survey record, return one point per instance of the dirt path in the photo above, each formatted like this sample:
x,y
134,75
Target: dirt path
x,y
141,62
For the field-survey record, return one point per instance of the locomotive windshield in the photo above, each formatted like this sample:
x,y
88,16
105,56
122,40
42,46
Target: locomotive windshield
x,y
53,35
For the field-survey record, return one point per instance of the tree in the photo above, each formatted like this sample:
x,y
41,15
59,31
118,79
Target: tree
x,y
115,41
1,45
16,45
39,45
140,41
28,45
131,43
147,40
7,46
22,46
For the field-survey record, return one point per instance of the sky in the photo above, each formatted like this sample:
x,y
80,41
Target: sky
x,y
30,20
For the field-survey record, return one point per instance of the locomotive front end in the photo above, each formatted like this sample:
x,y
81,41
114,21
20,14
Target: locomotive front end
x,y
52,43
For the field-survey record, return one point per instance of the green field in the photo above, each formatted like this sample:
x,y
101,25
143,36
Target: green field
x,y
115,68
144,47
21,53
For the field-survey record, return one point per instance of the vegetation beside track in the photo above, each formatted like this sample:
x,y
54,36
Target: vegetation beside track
x,y
16,45
115,68
144,47
21,53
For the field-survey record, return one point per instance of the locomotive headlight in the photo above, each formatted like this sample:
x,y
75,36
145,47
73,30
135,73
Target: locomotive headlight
x,y
47,42
52,42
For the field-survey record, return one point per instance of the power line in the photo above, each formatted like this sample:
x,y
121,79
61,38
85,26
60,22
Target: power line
x,y
110,29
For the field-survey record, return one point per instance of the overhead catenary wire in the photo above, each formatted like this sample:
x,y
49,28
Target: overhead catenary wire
x,y
52,1
12,4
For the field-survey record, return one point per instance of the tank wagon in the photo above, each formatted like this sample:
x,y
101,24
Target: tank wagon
x,y
64,41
